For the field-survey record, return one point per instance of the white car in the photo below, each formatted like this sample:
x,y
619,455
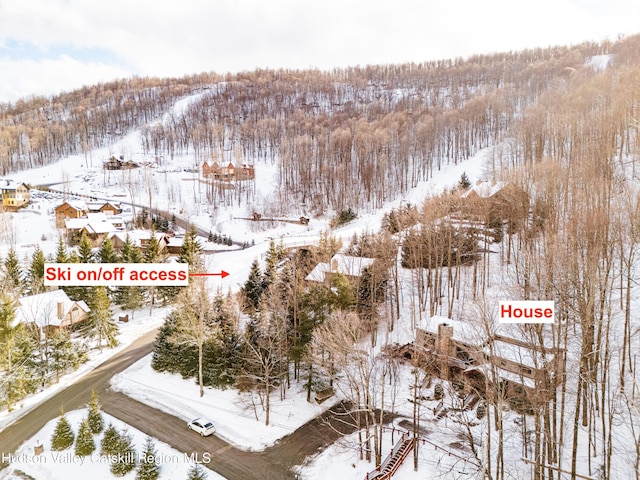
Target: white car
x,y
202,426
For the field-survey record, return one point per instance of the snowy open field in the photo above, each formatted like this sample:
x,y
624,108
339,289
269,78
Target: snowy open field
x,y
238,417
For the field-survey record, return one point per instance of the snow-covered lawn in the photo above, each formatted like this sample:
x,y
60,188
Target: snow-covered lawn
x,y
238,417
141,323
52,465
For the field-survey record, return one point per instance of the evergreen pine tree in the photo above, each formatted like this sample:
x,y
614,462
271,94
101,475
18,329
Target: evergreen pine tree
x,y
8,330
85,249
94,417
84,442
12,272
125,459
148,468
64,353
35,275
253,287
196,472
153,254
275,254
107,253
61,252
101,324
222,351
191,251
110,441
63,435
464,182
130,297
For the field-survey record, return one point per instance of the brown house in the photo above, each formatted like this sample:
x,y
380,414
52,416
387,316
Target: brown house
x,y
69,210
497,200
108,208
139,238
51,310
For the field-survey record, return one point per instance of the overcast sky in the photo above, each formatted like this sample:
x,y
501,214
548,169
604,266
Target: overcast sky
x,y
47,46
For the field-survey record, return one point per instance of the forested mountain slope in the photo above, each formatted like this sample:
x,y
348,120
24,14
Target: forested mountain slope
x,y
388,126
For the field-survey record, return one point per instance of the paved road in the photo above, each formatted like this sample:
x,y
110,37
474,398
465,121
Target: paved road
x,y
234,464
75,396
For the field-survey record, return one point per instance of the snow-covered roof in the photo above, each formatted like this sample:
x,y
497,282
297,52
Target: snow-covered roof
x,y
98,205
175,242
100,227
75,223
96,216
95,223
348,265
529,355
76,204
515,353
137,236
485,189
318,272
340,263
42,309
7,184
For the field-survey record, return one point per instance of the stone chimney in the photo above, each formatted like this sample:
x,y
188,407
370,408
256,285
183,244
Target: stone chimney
x,y
444,341
445,347
60,310
334,264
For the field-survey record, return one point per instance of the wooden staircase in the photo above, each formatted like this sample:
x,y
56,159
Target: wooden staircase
x,y
390,465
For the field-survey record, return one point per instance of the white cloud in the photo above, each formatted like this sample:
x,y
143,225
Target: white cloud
x,y
49,76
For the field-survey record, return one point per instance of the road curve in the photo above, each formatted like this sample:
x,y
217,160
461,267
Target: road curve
x,y
274,463
74,396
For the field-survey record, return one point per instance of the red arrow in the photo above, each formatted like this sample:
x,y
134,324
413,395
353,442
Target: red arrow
x,y
221,274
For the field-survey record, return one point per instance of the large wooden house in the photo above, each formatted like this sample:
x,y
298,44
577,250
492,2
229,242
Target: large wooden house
x,y
505,360
495,200
229,172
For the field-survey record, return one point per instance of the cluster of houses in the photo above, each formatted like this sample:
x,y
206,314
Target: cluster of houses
x,y
499,356
96,220
101,220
